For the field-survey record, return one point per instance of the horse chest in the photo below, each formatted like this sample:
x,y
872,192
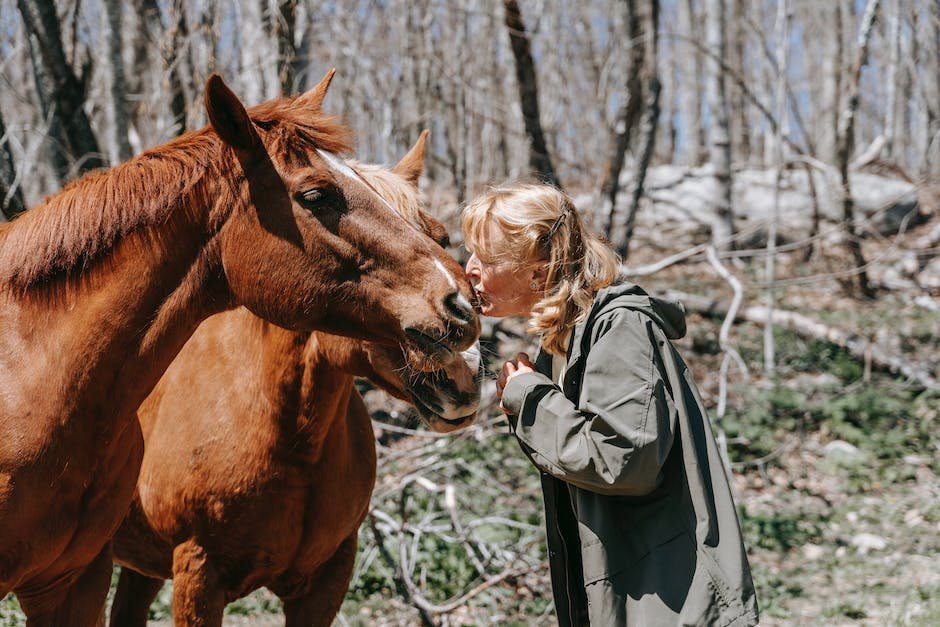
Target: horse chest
x,y
91,492
338,499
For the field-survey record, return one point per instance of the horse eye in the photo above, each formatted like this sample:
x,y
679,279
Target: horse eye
x,y
313,198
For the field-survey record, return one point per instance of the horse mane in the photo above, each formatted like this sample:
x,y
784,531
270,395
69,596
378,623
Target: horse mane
x,y
395,189
90,215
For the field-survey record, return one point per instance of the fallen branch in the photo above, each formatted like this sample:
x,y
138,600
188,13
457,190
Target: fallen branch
x,y
398,577
856,345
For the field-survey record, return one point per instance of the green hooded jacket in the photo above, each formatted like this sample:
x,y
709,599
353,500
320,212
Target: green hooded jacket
x,y
642,529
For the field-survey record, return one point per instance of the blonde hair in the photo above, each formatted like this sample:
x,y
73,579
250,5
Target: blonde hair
x,y
540,223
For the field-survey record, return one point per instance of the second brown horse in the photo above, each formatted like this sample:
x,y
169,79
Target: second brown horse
x,y
260,457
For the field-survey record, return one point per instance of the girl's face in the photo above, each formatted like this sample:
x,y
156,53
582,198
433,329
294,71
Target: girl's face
x,y
504,289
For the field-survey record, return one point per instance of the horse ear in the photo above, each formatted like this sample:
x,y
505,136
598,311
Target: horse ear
x,y
228,116
313,99
412,164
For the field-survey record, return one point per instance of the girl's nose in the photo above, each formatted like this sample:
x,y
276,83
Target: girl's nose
x,y
473,266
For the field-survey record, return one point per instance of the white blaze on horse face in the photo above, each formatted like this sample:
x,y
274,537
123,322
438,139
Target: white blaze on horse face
x,y
461,299
343,168
449,277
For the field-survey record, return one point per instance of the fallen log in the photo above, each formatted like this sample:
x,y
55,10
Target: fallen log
x,y
858,346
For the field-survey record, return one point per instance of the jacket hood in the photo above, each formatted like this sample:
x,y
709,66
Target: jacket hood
x,y
669,315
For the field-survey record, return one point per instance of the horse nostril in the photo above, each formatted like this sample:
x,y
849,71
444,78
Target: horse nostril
x,y
459,307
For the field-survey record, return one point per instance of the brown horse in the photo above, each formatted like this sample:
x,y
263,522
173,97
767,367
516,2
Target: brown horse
x,y
260,459
102,285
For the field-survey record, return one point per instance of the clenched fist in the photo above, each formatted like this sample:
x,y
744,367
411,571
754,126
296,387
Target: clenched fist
x,y
511,368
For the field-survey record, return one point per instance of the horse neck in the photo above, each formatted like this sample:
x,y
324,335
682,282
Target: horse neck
x,y
326,382
131,310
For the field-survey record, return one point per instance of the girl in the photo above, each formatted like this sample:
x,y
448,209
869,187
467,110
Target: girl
x,y
641,526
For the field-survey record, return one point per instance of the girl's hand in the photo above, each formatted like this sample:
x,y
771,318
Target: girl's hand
x,y
510,369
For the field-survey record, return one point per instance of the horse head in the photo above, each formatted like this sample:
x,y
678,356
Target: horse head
x,y
446,398
310,243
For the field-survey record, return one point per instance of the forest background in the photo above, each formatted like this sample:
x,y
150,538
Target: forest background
x,y
773,164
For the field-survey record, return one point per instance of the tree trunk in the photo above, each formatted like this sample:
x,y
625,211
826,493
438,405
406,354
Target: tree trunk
x,y
719,142
629,113
121,147
846,135
177,40
665,150
739,126
830,80
55,141
650,119
169,38
930,45
539,160
286,51
690,92
781,62
11,198
63,92
893,36
649,124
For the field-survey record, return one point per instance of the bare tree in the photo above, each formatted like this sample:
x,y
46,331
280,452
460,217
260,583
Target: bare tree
x,y
719,141
168,38
929,93
828,75
121,147
286,50
629,114
846,142
892,10
434,64
539,159
649,123
11,197
736,50
782,59
62,93
690,94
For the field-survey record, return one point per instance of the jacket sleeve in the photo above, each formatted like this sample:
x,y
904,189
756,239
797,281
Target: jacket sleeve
x,y
615,440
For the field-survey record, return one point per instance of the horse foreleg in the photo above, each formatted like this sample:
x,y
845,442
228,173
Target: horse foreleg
x,y
83,603
198,598
135,592
327,588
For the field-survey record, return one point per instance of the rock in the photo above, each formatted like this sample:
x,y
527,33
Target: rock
x,y
813,551
865,542
683,202
841,448
928,303
929,277
912,518
808,381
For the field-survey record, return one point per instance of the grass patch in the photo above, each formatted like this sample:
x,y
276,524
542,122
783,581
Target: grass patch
x,y
778,531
